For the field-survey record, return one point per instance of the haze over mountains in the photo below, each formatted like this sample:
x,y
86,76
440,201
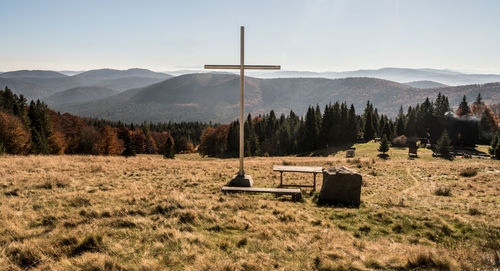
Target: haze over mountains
x,y
400,75
136,95
42,84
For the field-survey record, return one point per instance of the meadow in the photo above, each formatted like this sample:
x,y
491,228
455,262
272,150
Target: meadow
x,y
150,213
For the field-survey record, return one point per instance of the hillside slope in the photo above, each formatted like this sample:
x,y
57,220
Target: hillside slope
x,y
215,97
80,95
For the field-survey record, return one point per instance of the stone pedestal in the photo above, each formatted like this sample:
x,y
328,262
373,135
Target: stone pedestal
x,y
241,181
341,186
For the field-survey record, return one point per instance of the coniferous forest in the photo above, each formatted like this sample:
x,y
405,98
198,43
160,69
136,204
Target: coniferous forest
x,y
33,128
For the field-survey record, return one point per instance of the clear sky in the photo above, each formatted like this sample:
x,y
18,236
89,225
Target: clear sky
x,y
299,35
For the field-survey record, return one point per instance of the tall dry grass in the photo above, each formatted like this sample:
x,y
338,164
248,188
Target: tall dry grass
x,y
150,213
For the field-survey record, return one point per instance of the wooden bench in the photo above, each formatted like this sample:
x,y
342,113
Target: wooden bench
x,y
313,170
295,193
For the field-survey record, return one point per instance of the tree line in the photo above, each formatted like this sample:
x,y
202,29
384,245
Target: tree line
x,y
35,129
339,125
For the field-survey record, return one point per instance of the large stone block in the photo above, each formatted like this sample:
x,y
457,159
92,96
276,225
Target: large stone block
x,y
341,186
241,181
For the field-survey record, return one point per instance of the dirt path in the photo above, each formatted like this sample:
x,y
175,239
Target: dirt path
x,y
414,179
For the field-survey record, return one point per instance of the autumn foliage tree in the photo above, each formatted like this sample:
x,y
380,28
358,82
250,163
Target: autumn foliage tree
x,y
213,141
108,142
14,137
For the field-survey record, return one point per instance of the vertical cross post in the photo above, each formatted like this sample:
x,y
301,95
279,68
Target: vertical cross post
x,y
241,172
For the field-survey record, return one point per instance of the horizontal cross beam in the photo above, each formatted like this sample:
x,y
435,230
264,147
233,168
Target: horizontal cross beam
x,y
246,67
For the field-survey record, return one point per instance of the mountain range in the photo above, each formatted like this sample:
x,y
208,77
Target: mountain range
x,y
36,84
215,97
137,95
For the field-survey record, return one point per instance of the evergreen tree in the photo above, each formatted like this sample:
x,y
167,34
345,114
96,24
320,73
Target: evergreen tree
x,y
411,124
129,145
327,126
369,129
311,130
40,127
444,144
169,151
384,145
353,125
442,105
463,107
493,144
400,122
479,99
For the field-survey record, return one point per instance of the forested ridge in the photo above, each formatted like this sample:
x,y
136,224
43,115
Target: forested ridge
x,y
35,129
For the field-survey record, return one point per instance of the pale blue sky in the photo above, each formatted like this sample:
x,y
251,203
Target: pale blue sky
x,y
299,35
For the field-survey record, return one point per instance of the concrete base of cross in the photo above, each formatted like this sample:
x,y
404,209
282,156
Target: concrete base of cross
x,y
241,181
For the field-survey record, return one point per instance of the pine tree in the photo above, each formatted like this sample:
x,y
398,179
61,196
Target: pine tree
x,y
369,129
444,144
129,145
479,99
169,151
40,127
384,145
353,125
493,144
463,108
311,130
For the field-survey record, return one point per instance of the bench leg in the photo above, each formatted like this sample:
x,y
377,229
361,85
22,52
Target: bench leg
x,y
314,188
296,197
281,178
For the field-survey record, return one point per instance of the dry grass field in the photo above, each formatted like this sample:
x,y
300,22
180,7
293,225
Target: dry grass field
x,y
149,213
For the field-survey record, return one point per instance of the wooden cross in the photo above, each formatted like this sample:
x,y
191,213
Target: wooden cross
x,y
242,67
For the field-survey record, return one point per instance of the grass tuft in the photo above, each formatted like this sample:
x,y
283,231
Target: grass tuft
x,y
25,256
187,217
443,191
427,260
90,243
468,172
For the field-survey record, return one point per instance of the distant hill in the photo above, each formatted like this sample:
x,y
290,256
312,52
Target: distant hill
x,y
215,97
400,75
80,95
32,74
45,85
425,84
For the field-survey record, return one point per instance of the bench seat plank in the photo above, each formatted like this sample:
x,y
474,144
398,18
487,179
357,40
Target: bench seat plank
x,y
294,192
287,191
298,169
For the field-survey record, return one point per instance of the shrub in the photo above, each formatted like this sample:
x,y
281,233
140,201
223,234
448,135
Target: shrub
x,y
444,145
443,191
468,172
